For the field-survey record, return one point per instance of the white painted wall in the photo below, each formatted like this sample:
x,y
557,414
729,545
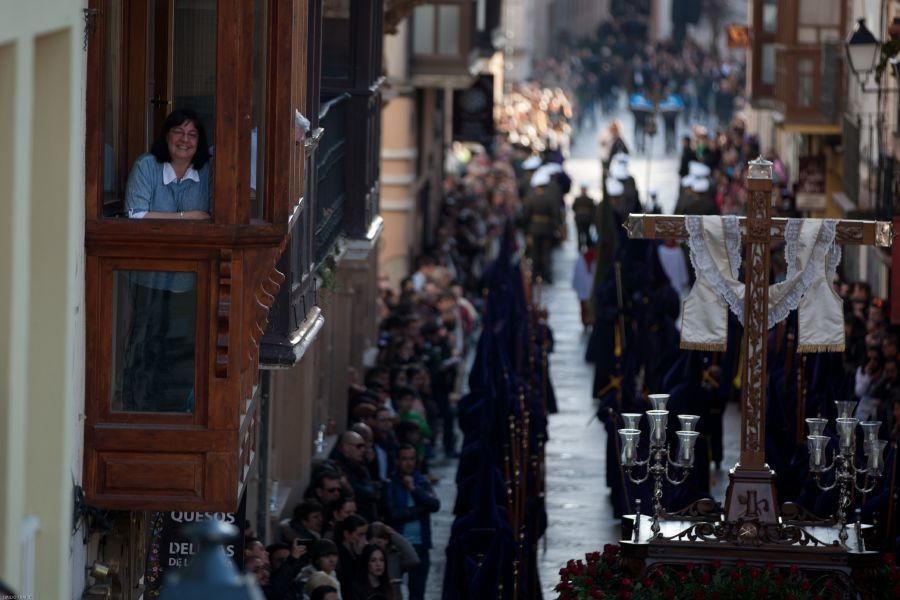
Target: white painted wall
x,y
42,362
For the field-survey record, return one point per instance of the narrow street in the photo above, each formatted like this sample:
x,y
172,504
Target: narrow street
x,y
580,517
579,514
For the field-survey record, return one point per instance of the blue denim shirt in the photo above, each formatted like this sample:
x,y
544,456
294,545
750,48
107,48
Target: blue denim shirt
x,y
146,192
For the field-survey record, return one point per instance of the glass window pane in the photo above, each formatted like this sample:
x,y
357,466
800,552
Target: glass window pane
x,y
257,131
336,39
770,16
448,38
807,35
816,12
829,35
423,30
804,82
767,68
153,341
194,60
112,127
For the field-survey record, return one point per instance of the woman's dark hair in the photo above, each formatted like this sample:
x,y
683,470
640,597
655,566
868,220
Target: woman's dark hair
x,y
351,523
323,547
160,148
306,508
271,548
336,505
384,582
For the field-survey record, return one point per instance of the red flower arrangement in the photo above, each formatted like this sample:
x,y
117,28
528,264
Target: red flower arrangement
x,y
602,575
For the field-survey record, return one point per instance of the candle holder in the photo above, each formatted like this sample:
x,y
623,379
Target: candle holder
x,y
658,464
844,463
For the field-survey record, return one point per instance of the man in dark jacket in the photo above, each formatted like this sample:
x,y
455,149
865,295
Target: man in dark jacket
x,y
410,502
385,443
542,218
350,455
583,208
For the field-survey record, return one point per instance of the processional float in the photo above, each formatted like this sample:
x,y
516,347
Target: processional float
x,y
752,526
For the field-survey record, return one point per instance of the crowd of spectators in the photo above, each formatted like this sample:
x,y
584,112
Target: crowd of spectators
x,y
537,116
619,59
365,521
713,168
871,356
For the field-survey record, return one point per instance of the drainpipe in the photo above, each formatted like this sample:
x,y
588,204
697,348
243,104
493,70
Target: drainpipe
x,y
262,457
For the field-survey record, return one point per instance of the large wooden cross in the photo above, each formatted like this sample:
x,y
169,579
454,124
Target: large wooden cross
x,y
751,490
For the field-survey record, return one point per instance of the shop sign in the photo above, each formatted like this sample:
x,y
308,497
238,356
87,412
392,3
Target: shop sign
x,y
168,548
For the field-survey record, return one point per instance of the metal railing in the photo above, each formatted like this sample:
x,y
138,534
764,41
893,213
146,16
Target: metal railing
x,y
331,176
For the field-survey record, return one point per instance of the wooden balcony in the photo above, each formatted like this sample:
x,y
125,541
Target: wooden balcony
x,y
442,44
177,431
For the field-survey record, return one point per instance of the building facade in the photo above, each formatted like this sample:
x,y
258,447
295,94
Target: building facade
x,y
809,107
441,46
42,306
270,299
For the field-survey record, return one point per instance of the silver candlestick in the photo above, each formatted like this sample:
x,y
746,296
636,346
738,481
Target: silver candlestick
x,y
658,463
844,464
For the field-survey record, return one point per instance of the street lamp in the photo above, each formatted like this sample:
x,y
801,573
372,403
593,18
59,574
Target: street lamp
x,y
863,49
210,574
867,54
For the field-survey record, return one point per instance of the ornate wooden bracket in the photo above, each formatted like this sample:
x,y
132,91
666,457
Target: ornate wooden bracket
x,y
223,314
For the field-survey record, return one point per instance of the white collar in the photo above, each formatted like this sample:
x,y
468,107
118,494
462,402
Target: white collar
x,y
169,174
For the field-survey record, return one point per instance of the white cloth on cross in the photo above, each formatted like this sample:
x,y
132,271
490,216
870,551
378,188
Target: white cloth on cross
x,y
674,265
811,256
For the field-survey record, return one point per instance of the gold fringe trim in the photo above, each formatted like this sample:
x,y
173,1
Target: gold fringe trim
x,y
703,346
810,348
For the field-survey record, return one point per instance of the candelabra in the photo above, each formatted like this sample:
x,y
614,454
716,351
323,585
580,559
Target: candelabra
x,y
844,464
658,463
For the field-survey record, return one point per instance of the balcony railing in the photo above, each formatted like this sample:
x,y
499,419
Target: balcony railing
x,y
331,164
363,153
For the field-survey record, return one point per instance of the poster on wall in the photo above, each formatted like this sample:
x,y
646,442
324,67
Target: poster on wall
x,y
170,549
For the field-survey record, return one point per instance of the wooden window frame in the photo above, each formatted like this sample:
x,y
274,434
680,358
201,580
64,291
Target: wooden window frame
x,y
762,38
231,184
204,454
100,401
464,40
840,25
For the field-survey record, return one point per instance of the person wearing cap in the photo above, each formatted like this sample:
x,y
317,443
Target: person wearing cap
x,y
528,168
583,208
618,171
697,196
542,218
